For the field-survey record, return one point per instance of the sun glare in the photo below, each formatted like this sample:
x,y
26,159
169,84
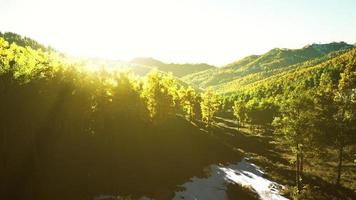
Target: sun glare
x,y
177,31
177,99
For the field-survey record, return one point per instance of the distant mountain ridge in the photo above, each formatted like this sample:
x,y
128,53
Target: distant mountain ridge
x,y
307,73
249,71
178,70
142,66
257,67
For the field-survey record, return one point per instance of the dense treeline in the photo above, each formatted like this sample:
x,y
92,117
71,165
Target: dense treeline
x,y
311,109
23,41
153,98
259,67
64,130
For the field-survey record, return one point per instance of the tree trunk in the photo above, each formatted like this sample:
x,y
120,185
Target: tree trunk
x,y
191,115
3,149
3,165
341,149
297,180
301,168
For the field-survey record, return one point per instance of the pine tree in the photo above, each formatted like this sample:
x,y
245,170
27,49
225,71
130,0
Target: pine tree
x,y
188,99
160,92
209,106
240,112
296,126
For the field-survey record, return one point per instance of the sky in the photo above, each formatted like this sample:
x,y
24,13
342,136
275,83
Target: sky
x,y
212,31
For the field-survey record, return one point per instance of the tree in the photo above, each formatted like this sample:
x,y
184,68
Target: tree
x,y
346,113
296,126
260,112
188,100
336,114
240,112
209,106
160,92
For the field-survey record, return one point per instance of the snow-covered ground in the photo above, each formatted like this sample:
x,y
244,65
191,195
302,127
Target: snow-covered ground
x,y
214,186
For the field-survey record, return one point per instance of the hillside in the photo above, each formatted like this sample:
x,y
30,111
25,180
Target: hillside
x,y
22,41
138,66
141,66
71,130
73,134
178,70
258,67
306,75
274,75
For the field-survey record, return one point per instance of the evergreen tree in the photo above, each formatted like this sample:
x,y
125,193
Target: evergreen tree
x,y
160,92
209,106
240,112
346,113
188,99
296,126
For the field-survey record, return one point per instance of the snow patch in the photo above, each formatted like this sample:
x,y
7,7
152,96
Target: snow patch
x,y
214,186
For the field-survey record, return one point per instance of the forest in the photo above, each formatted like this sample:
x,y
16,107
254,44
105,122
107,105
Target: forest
x,y
72,133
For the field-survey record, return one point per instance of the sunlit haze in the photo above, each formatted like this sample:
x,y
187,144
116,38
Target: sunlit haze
x,y
216,32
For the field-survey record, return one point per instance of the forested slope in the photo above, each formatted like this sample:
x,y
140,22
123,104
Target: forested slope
x,y
258,67
22,41
311,110
307,73
69,133
68,130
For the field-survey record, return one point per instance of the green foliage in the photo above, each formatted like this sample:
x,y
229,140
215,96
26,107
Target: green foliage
x,y
240,111
295,122
312,105
308,95
160,92
260,113
188,100
209,105
296,126
271,65
22,41
63,126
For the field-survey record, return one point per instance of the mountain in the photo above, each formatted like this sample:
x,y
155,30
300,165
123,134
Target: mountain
x,y
258,67
178,70
138,66
63,131
307,75
22,41
142,66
